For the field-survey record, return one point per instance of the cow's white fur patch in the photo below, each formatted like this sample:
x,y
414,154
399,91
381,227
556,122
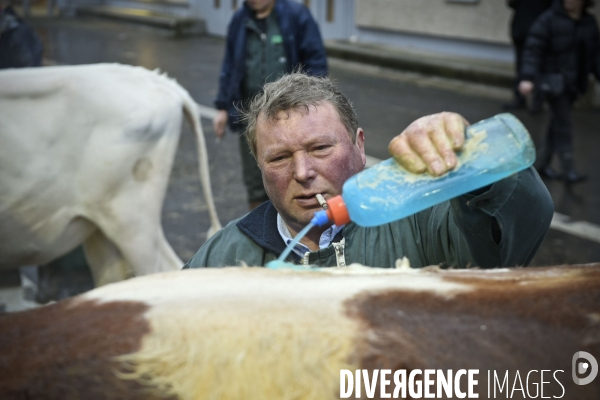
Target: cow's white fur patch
x,y
260,284
86,152
234,333
216,331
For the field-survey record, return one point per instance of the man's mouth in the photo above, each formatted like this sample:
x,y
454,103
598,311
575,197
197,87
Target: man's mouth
x,y
308,200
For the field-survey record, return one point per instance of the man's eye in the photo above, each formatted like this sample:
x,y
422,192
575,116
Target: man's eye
x,y
321,148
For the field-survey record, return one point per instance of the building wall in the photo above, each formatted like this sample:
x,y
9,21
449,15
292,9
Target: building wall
x,y
478,20
484,20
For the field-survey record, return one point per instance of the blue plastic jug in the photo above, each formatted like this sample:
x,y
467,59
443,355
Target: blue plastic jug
x,y
494,149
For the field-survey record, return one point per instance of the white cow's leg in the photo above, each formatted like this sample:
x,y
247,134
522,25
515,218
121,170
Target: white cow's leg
x,y
106,261
151,251
141,242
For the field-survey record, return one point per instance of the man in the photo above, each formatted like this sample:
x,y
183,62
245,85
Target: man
x,y
19,45
306,139
265,39
525,13
562,49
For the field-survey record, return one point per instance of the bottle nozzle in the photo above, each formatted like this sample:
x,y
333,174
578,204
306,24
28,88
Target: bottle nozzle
x,y
321,218
336,212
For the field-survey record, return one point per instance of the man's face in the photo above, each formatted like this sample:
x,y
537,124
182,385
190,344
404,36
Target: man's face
x,y
303,154
574,6
260,5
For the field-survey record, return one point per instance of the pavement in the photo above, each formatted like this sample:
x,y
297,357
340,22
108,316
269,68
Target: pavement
x,y
489,72
386,100
492,73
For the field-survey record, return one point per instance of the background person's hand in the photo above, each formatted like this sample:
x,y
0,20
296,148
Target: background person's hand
x,y
525,88
430,143
220,122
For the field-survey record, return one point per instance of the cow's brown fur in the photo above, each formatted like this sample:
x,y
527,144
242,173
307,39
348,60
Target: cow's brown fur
x,y
526,322
69,350
278,333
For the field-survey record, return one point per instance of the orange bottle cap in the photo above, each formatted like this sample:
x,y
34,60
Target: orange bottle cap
x,y
337,211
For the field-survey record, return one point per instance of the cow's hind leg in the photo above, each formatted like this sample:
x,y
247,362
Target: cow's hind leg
x,y
148,252
106,261
140,241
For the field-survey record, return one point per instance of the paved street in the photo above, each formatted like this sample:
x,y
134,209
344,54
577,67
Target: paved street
x,y
385,101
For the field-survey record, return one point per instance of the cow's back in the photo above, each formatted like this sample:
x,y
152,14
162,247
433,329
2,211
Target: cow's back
x,y
73,138
254,333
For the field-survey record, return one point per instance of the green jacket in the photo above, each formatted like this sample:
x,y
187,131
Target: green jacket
x,y
498,226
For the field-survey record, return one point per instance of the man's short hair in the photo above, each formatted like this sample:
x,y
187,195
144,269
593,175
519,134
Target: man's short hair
x,y
296,92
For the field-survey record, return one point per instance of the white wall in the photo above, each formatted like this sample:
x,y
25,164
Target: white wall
x,y
486,20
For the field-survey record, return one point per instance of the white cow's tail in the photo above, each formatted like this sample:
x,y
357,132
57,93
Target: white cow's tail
x,y
193,115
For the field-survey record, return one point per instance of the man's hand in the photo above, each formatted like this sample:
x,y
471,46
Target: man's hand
x,y
430,143
220,122
525,88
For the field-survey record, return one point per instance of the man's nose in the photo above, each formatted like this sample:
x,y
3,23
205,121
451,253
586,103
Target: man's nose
x,y
303,168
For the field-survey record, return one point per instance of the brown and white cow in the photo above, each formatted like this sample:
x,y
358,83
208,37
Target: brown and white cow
x,y
254,333
85,157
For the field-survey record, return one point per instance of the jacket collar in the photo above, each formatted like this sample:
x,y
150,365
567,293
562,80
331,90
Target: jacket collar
x,y
260,225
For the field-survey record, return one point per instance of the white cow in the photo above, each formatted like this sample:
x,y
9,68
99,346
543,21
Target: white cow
x,y
85,157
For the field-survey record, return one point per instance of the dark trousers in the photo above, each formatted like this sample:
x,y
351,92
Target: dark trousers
x,y
251,173
559,139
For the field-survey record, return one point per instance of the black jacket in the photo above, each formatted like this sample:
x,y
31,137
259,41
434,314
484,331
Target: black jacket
x,y
526,12
19,45
559,44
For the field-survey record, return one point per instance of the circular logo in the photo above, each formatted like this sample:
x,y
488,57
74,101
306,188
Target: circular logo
x,y
590,365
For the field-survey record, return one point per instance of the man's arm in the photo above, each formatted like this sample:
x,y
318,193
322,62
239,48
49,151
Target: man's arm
x,y
535,46
502,225
222,101
311,50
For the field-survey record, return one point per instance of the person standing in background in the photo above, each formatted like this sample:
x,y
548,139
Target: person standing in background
x,y
20,47
562,49
525,13
265,39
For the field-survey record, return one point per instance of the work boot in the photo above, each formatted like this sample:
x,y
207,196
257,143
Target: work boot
x,y
568,163
574,177
548,172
